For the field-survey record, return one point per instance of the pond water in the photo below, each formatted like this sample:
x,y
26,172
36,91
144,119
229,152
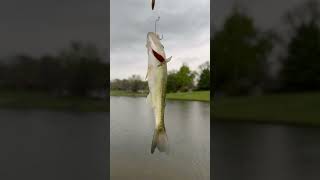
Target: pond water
x,y
37,144
131,132
248,151
40,145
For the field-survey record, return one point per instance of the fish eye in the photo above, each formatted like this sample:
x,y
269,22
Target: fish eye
x,y
162,46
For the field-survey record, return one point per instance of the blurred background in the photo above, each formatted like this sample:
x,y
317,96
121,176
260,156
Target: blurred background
x,y
54,93
185,26
266,74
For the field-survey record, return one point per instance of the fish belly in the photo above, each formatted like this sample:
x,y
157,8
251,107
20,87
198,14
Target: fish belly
x,y
157,80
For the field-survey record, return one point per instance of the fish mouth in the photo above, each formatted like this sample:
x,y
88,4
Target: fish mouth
x,y
158,56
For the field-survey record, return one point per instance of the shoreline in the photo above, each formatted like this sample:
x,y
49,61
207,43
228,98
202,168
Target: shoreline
x,y
19,100
275,109
203,96
283,108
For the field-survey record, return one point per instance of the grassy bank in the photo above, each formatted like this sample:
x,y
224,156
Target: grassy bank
x,y
302,108
189,96
38,100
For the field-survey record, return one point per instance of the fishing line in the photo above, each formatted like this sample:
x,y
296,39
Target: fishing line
x,y
155,27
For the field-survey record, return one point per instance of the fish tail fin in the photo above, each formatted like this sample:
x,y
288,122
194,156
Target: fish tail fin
x,y
160,140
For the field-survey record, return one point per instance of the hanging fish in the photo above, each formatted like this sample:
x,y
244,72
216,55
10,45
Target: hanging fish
x,y
157,82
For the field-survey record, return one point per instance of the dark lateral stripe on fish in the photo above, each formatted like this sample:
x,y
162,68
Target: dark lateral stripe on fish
x,y
158,56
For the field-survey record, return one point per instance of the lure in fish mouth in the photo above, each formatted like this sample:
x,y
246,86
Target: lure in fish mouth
x,y
157,82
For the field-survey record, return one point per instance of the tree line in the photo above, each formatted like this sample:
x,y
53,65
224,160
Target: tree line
x,y
77,70
241,54
240,51
181,80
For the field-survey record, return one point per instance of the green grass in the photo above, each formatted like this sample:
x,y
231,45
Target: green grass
x,y
38,100
188,96
192,96
300,108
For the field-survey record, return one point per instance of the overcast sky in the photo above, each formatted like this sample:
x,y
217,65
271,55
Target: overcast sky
x,y
45,26
185,26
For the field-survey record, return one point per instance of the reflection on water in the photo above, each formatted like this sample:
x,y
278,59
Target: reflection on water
x,y
42,145
265,152
131,131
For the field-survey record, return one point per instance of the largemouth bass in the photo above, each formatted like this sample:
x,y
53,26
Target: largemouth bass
x,y
157,82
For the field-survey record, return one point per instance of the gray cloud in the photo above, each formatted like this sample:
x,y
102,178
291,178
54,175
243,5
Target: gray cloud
x,y
185,26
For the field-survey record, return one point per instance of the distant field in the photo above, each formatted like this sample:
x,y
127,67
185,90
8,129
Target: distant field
x,y
302,108
188,96
38,100
193,96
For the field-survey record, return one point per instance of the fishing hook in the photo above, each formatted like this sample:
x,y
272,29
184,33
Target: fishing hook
x,y
155,27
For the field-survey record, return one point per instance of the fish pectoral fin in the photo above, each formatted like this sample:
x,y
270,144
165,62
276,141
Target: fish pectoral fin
x,y
169,59
149,99
160,64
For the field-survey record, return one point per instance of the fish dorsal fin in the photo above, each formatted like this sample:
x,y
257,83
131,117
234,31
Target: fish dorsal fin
x,y
168,59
